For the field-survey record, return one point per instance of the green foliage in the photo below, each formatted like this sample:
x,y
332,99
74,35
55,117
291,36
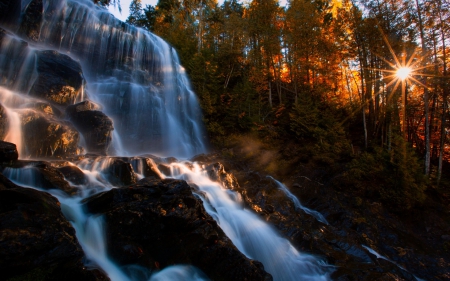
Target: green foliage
x,y
316,121
394,177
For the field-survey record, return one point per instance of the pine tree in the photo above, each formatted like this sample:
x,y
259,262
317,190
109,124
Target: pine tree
x,y
136,15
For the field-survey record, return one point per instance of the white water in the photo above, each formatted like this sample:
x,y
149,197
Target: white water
x,y
251,235
11,103
90,229
133,74
297,203
138,80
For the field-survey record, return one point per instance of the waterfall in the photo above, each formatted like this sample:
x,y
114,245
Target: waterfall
x,y
133,74
251,235
90,230
297,203
137,79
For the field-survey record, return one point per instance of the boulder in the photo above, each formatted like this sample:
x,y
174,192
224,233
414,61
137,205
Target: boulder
x,y
40,174
45,107
94,125
74,175
120,173
85,105
8,152
30,25
45,136
59,79
176,227
146,166
37,242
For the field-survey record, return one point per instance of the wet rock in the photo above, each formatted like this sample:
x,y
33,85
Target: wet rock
x,y
8,152
3,122
48,137
30,25
48,177
146,166
37,242
120,173
59,78
177,230
82,106
45,108
73,174
413,242
217,173
40,174
94,125
164,169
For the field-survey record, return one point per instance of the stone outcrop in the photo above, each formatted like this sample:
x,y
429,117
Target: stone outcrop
x,y
47,137
30,26
8,152
59,80
120,173
356,228
37,242
39,174
176,227
4,126
93,124
73,174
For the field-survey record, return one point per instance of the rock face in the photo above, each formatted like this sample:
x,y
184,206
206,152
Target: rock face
x,y
59,78
120,173
39,174
355,226
30,26
47,137
73,174
8,152
37,242
177,230
3,122
94,125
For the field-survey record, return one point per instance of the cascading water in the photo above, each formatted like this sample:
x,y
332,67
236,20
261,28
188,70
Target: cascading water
x,y
133,74
297,203
138,80
252,236
90,229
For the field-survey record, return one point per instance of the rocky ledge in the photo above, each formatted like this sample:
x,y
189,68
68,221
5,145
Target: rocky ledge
x,y
157,223
36,241
364,240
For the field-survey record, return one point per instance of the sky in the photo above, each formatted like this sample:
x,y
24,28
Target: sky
x,y
125,4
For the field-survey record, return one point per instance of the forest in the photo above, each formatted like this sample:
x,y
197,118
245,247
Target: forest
x,y
324,74
244,140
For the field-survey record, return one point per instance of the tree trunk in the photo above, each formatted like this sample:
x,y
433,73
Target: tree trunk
x,y
444,97
425,96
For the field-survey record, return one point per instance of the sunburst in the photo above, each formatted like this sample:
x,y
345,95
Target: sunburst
x,y
405,70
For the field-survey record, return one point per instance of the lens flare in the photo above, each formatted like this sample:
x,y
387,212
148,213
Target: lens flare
x,y
403,72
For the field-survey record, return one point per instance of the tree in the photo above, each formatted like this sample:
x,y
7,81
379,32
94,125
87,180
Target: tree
x,y
136,16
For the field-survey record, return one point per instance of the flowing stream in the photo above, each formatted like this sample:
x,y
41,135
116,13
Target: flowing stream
x,y
297,203
137,79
